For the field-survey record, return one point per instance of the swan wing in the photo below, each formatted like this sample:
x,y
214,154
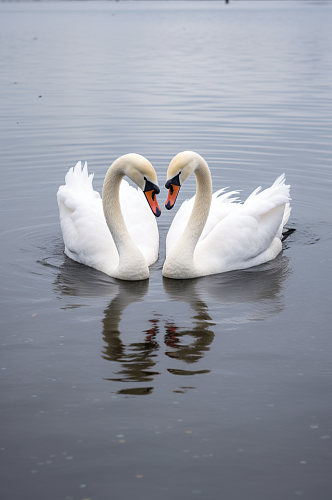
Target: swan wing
x,y
85,233
221,206
140,221
249,235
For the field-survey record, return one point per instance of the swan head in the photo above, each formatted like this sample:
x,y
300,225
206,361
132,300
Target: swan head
x,y
140,171
180,168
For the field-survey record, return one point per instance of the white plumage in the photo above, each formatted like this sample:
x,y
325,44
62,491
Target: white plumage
x,y
220,234
86,234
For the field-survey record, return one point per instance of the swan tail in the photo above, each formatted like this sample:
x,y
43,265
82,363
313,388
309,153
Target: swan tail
x,y
284,232
79,178
78,185
259,203
286,214
262,218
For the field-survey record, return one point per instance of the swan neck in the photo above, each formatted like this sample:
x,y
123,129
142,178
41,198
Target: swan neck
x,y
129,255
201,206
181,259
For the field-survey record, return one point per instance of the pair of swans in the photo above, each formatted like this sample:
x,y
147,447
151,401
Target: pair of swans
x,y
210,234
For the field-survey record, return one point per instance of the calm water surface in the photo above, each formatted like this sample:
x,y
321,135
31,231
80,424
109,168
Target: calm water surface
x,y
213,388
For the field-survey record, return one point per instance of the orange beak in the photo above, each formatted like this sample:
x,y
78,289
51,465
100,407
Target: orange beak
x,y
152,201
172,195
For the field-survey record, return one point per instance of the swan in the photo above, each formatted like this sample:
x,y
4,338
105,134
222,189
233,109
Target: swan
x,y
117,234
212,234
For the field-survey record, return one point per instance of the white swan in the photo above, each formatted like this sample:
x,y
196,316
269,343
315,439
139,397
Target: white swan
x,y
211,234
130,243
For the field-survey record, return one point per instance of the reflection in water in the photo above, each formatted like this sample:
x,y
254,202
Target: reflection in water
x,y
240,296
201,334
77,280
137,359
254,294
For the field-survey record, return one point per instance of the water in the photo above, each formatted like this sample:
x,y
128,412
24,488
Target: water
x,y
213,388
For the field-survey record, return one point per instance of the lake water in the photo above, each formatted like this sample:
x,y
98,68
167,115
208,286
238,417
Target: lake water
x,y
215,388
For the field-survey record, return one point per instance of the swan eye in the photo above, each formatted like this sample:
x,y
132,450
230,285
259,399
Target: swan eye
x,y
173,182
149,186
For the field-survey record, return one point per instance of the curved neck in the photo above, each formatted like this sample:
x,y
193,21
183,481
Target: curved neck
x,y
130,257
201,208
183,252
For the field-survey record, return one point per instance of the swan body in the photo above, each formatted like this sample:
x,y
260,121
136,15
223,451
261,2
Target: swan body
x,y
214,233
117,234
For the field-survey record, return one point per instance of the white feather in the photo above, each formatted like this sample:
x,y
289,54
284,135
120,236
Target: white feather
x,y
85,232
235,235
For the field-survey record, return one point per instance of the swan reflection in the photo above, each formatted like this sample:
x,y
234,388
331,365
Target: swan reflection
x,y
200,336
76,280
186,315
138,358
253,294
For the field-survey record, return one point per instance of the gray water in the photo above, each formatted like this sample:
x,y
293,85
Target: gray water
x,y
215,388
